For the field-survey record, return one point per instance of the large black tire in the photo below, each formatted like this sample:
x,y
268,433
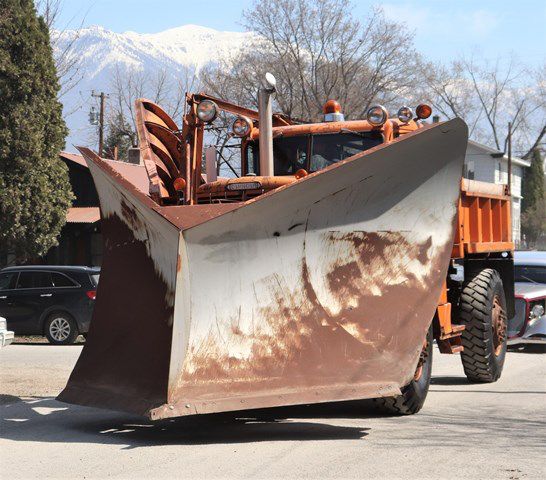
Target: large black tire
x,y
61,329
482,309
414,394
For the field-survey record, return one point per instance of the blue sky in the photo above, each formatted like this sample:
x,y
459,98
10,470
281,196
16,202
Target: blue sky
x,y
444,29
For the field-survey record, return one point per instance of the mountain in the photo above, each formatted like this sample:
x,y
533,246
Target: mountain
x,y
100,53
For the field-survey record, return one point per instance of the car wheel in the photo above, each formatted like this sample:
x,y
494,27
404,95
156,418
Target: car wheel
x,y
61,329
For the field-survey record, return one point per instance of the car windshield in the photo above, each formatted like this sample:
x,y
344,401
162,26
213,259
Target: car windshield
x,y
95,277
312,152
530,273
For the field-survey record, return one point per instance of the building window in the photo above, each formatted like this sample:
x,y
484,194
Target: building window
x,y
468,170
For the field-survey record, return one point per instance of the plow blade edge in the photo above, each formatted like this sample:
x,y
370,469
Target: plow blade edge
x,y
322,290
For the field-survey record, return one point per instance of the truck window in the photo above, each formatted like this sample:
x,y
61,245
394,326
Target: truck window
x,y
330,149
291,153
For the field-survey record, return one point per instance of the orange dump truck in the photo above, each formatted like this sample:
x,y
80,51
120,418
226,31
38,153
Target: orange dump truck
x,y
322,273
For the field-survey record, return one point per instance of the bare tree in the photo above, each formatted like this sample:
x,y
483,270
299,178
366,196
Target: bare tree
x,y
67,62
165,88
488,95
318,51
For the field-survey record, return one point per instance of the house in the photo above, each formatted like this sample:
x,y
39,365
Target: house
x,y
489,165
80,241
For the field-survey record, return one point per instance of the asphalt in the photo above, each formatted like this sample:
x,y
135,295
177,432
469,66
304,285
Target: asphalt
x,y
491,431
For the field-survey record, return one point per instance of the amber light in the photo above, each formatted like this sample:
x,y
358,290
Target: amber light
x,y
301,173
423,111
179,184
331,106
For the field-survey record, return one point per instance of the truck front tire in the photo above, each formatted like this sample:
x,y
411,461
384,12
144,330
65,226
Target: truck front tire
x,y
482,309
414,394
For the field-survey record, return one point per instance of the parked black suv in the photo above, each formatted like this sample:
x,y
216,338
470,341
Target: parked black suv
x,y
55,301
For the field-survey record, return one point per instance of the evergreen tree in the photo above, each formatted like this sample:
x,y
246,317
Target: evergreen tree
x,y
34,188
121,135
532,188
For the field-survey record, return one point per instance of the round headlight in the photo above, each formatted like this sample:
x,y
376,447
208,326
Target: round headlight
x,y
207,111
537,311
405,114
241,127
377,115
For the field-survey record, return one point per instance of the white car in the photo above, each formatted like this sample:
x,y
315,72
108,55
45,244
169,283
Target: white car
x,y
6,336
529,323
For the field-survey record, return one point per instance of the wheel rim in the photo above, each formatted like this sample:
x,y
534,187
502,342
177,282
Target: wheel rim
x,y
422,359
498,326
59,329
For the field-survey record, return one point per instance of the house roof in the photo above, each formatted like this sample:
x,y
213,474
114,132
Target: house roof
x,y
136,174
83,215
489,150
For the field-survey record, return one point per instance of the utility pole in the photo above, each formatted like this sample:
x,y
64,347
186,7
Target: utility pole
x,y
102,96
510,158
510,179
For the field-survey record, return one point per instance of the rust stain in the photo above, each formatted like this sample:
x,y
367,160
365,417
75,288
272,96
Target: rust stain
x,y
302,342
130,216
178,264
119,367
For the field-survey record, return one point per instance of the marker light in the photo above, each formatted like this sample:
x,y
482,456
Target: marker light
x,y
241,126
405,114
423,111
179,184
207,111
301,173
377,115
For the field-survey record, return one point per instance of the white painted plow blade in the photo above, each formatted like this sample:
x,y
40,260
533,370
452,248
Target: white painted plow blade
x,y
319,291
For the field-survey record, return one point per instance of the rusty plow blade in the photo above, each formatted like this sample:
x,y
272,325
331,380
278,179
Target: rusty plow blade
x,y
319,291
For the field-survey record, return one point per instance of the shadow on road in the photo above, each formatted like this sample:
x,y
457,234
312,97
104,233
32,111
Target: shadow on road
x,y
46,420
449,380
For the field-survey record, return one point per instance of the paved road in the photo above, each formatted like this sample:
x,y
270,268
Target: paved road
x,y
466,431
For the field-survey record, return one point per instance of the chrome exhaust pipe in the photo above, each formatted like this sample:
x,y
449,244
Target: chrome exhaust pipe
x,y
265,92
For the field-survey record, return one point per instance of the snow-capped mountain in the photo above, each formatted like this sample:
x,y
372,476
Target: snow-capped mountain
x,y
100,52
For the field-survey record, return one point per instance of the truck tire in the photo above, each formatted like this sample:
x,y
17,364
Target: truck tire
x,y
414,394
482,309
61,329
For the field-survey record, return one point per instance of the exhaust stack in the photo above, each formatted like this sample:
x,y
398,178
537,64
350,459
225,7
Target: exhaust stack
x,y
266,90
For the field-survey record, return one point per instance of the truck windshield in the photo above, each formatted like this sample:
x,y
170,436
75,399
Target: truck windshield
x,y
311,152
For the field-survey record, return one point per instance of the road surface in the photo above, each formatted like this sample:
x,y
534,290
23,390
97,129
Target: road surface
x,y
494,431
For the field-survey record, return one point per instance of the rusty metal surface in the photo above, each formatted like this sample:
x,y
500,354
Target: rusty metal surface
x,y
83,215
320,290
135,174
125,362
158,147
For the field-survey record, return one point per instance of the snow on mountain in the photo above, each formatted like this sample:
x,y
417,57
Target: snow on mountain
x,y
101,52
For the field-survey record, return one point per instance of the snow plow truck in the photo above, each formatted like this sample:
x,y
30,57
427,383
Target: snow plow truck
x,y
322,272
